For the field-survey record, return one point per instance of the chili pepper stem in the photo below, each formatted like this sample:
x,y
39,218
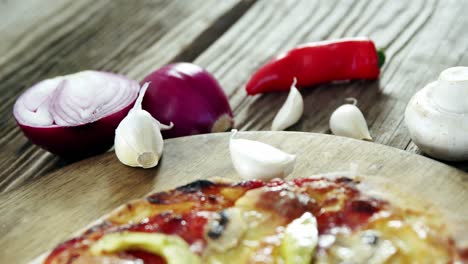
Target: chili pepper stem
x,y
381,56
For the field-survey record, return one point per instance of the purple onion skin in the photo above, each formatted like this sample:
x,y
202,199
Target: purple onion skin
x,y
188,96
76,142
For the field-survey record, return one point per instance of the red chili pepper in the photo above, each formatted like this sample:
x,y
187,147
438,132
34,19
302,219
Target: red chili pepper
x,y
319,62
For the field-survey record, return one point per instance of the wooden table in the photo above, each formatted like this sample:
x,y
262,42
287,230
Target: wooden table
x,y
231,38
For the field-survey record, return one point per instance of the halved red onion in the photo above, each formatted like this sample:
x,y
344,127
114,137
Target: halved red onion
x,y
75,115
189,97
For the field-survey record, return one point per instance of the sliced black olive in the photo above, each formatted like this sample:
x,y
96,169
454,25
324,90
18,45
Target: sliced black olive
x,y
370,238
218,226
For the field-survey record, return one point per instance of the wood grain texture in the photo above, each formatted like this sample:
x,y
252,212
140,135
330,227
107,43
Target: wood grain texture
x,y
103,35
420,38
231,39
39,215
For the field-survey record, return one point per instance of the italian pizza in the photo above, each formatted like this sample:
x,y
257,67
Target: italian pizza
x,y
303,220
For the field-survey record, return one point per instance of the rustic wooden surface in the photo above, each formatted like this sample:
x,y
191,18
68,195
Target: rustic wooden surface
x,y
231,38
48,210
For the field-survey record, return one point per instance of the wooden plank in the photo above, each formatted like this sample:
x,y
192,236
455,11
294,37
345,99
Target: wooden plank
x,y
421,38
29,23
49,210
104,35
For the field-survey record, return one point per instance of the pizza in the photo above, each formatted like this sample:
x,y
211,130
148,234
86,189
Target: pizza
x,y
303,220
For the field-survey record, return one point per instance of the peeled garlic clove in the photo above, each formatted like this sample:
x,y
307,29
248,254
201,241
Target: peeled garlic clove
x,y
257,160
348,121
138,139
291,111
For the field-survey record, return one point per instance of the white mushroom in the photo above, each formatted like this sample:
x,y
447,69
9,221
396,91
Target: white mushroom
x,y
437,116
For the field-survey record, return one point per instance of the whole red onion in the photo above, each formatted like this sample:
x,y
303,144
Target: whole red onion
x,y
188,96
75,115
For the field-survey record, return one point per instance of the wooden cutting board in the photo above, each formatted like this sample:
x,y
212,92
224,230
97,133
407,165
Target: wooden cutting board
x,y
36,217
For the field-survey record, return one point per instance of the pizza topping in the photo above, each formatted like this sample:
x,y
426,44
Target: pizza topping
x,y
404,231
143,257
362,247
340,203
189,226
252,234
257,160
68,250
217,226
226,230
85,259
284,202
172,248
300,240
358,211
317,220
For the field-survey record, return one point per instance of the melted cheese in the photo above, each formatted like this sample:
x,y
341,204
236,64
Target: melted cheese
x,y
389,237
259,237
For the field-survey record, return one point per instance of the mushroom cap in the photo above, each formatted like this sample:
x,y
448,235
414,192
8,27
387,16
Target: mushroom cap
x,y
438,128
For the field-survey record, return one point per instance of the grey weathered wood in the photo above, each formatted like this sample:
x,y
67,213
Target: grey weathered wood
x,y
421,38
40,215
103,35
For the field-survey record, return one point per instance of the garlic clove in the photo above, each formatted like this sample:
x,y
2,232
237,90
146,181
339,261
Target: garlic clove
x,y
138,139
139,142
148,159
257,160
164,127
123,153
291,111
348,121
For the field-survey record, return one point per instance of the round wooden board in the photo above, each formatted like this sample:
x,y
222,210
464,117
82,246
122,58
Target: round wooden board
x,y
37,216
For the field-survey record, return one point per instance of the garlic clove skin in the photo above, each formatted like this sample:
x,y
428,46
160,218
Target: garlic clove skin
x,y
138,139
348,121
291,111
437,116
257,160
